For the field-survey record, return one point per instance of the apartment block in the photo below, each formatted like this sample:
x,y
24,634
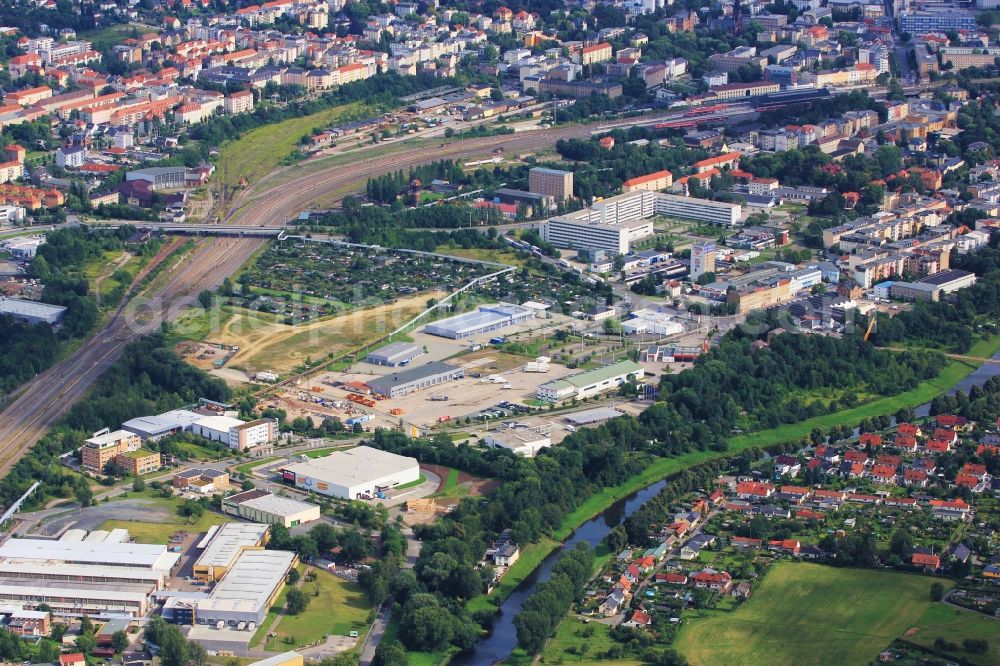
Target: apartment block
x,y
551,182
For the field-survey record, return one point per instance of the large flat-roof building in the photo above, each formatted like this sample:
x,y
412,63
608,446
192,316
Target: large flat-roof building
x,y
261,506
354,473
86,576
31,312
248,589
238,435
226,546
590,383
521,438
950,280
616,222
395,354
582,234
486,319
162,425
407,381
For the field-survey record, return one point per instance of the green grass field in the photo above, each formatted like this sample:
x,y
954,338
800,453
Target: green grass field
x,y
954,625
482,254
569,641
261,150
159,533
340,608
810,614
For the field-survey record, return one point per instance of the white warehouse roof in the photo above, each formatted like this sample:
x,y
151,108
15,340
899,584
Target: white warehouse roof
x,y
355,466
88,552
229,541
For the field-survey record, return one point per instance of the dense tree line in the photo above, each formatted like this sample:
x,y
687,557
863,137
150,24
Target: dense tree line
x,y
600,173
735,385
387,187
26,350
544,610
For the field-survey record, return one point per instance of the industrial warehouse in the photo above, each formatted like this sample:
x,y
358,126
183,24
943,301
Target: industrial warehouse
x,y
407,381
359,473
99,574
31,312
247,591
590,383
225,545
395,354
208,423
487,319
261,506
521,438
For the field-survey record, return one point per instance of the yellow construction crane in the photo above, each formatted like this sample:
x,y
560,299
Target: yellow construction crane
x,y
871,327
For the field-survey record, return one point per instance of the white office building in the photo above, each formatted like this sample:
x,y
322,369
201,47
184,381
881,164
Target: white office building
x,y
649,322
616,222
521,438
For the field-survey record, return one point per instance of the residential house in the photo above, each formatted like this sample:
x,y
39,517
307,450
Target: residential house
x,y
709,579
926,561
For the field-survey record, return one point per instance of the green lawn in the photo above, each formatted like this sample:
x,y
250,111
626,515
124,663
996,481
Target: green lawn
x,y
482,254
954,625
810,614
246,467
340,608
571,637
159,533
260,151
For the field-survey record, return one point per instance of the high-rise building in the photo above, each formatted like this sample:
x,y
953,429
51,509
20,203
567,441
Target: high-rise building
x,y
702,259
551,182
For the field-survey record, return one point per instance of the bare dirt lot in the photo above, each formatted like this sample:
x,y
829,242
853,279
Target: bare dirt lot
x,y
269,345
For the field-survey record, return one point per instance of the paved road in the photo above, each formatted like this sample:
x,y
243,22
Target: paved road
x,y
375,635
49,396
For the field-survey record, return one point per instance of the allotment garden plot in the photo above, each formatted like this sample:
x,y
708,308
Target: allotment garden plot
x,y
308,280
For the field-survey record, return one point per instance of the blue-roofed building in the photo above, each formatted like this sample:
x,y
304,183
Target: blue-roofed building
x,y
487,319
883,289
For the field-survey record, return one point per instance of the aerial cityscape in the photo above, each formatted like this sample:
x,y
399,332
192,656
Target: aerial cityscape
x,y
481,332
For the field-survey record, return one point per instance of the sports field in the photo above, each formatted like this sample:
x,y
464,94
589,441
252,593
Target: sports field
x,y
811,614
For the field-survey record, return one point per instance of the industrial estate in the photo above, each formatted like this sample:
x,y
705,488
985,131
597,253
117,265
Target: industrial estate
x,y
549,332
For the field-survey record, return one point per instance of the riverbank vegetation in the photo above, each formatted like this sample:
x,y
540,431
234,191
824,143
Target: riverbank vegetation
x,y
538,494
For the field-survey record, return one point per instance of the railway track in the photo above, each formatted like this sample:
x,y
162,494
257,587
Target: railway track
x,y
46,398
